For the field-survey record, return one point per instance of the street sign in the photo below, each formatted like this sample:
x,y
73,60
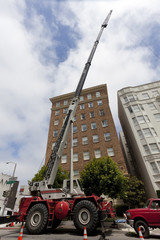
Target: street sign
x,y
13,179
10,182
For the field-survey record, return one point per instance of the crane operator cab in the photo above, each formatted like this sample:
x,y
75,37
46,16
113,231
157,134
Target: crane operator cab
x,y
77,187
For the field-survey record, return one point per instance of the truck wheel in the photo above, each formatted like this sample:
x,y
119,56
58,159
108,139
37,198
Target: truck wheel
x,y
143,226
85,214
37,217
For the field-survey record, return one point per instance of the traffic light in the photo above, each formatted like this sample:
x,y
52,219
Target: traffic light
x,y
6,193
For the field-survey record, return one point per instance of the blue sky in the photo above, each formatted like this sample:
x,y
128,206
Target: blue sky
x,y
43,48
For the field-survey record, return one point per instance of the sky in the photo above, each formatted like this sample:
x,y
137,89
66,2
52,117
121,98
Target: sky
x,y
43,48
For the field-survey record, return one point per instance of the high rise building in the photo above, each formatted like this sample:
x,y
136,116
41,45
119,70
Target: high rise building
x,y
94,133
139,114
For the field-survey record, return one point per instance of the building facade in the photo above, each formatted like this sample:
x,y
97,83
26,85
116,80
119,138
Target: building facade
x,y
94,133
139,114
3,187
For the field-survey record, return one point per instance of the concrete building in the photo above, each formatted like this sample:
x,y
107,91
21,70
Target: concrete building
x,y
3,187
139,114
94,133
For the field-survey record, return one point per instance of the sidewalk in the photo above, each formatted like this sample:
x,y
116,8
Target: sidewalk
x,y
127,228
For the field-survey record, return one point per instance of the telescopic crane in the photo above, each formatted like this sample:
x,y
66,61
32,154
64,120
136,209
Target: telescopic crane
x,y
48,206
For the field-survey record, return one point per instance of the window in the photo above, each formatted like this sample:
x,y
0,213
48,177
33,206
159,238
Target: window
x,y
153,132
151,106
104,123
57,112
141,119
65,110
82,106
154,167
90,104
155,93
99,103
140,134
158,162
146,118
92,115
86,155
75,157
56,122
125,99
135,108
55,133
83,127
147,132
157,116
101,112
74,119
97,153
135,121
131,98
107,136
98,94
146,149
83,116
75,142
84,140
95,138
74,129
64,159
65,102
75,172
110,152
154,148
130,109
81,98
93,125
89,96
145,95
57,104
141,107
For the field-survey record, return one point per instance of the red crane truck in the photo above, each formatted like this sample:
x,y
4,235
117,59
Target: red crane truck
x,y
47,206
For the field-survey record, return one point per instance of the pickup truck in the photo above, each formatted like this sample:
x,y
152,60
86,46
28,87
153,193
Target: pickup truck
x,y
146,218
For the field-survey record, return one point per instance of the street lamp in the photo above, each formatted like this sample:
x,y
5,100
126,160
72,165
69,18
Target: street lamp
x,y
15,165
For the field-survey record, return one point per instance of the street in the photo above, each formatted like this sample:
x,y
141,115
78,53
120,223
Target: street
x,y
67,231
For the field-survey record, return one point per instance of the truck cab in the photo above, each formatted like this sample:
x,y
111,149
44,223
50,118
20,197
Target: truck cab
x,y
145,218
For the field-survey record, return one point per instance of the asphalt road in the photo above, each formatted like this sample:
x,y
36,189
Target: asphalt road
x,y
67,231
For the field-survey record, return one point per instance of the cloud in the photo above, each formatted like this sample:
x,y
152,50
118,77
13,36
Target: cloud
x,y
32,70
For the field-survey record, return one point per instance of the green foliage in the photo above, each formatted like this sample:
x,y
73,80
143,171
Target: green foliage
x,y
134,193
40,175
102,176
58,182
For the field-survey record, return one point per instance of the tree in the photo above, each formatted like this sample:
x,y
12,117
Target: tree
x,y
102,176
60,176
134,193
40,175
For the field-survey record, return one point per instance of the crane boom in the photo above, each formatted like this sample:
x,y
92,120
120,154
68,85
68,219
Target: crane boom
x,y
54,160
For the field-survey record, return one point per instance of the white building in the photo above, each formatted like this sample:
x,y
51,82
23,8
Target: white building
x,y
3,187
139,114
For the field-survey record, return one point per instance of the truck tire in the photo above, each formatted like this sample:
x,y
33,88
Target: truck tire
x,y
37,218
85,214
143,226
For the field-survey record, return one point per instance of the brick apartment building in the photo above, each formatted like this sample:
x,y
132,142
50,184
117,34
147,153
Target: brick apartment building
x,y
94,133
